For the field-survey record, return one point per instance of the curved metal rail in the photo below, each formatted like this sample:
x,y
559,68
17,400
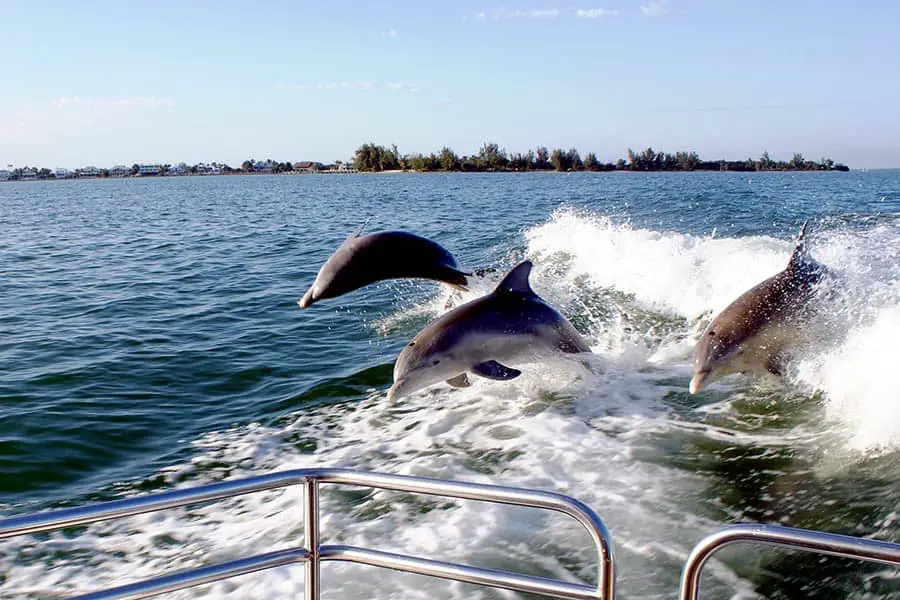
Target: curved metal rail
x,y
832,544
312,552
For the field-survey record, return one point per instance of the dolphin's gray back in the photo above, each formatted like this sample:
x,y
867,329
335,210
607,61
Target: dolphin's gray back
x,y
362,260
507,315
783,302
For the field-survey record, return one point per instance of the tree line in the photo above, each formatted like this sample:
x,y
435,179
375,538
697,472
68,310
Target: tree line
x,y
490,157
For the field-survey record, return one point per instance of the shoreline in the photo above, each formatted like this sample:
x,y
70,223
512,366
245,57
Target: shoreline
x,y
437,172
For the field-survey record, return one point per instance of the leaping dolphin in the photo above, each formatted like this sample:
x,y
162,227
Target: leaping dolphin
x,y
365,259
754,333
509,325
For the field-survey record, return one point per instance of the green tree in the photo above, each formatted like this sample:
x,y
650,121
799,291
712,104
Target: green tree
x,y
633,160
448,159
591,163
559,160
492,157
542,158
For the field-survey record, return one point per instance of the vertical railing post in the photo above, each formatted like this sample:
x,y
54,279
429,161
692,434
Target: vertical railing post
x,y
311,533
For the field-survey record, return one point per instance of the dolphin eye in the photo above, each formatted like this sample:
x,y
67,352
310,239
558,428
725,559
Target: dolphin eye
x,y
711,334
411,344
436,361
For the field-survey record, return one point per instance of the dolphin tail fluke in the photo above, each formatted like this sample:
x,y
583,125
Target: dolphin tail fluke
x,y
491,369
454,277
482,271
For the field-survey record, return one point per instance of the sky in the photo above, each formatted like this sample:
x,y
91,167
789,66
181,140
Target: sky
x,y
104,83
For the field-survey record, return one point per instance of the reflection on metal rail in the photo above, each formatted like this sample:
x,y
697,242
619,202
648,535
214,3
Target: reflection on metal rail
x,y
312,552
832,544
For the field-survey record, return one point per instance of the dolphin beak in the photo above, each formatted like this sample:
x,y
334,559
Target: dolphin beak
x,y
698,380
395,391
308,298
400,389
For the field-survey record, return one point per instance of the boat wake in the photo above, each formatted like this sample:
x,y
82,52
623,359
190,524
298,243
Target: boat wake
x,y
617,430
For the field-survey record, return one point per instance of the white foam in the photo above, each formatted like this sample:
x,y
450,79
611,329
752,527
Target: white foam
x,y
672,272
692,276
530,434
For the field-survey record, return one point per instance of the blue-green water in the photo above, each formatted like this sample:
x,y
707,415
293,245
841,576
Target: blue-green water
x,y
150,338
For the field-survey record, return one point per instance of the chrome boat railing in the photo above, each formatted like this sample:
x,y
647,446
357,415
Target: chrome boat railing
x,y
833,544
313,552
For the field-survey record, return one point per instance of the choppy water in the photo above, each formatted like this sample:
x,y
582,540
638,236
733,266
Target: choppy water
x,y
150,339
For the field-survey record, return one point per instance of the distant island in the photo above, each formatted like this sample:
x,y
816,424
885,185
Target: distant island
x,y
372,158
490,157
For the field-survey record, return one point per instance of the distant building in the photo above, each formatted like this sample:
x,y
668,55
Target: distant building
x,y
62,173
88,172
204,169
4,175
265,167
307,166
29,173
179,169
119,171
149,170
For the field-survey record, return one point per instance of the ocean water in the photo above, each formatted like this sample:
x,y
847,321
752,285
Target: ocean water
x,y
150,339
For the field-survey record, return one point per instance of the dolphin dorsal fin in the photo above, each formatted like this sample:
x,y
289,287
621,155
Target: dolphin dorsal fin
x,y
517,280
800,253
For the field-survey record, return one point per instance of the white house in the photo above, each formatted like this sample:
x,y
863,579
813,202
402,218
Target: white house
x,y
62,173
89,172
119,171
4,175
148,170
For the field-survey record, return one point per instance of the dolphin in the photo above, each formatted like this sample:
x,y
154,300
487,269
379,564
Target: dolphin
x,y
365,259
757,331
511,324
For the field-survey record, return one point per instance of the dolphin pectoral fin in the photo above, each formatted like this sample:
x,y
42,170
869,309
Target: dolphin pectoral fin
x,y
460,381
491,369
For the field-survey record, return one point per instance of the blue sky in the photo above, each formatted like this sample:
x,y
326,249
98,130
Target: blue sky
x,y
121,82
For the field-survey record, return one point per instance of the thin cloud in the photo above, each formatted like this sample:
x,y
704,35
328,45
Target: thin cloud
x,y
98,103
656,8
536,13
406,87
595,13
348,85
389,33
